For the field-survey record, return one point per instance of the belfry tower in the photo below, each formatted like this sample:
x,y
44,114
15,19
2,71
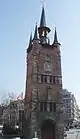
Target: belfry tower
x,y
43,85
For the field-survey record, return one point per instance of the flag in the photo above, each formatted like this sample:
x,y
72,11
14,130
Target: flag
x,y
20,97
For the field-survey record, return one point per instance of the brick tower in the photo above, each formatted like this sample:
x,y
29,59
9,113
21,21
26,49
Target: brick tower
x,y
43,85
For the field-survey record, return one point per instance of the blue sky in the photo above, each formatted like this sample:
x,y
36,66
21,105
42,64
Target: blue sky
x,y
17,20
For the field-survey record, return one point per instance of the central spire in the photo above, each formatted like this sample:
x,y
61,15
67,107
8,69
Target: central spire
x,y
43,29
43,19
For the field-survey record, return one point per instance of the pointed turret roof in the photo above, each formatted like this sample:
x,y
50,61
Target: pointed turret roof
x,y
35,33
30,41
43,19
55,38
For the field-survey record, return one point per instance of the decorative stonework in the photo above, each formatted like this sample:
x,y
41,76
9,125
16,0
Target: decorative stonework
x,y
47,63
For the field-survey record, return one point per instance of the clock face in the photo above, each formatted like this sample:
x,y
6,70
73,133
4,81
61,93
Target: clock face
x,y
48,65
48,58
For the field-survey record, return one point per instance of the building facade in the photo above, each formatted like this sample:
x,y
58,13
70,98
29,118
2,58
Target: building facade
x,y
13,113
71,108
20,113
5,114
1,114
68,105
43,85
76,113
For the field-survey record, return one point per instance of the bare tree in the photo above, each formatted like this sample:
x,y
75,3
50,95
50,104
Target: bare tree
x,y
7,99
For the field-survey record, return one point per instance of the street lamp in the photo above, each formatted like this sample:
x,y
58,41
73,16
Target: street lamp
x,y
77,134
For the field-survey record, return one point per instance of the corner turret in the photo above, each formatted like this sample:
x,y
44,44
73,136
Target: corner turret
x,y
35,33
55,43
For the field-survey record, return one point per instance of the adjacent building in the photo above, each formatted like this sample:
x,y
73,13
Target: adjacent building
x,y
14,113
6,114
71,108
1,114
20,113
76,113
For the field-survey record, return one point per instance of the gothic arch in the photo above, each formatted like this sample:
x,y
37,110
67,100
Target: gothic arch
x,y
48,129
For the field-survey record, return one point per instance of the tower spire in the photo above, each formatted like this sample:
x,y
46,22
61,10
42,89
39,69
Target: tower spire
x,y
35,33
55,38
43,29
43,19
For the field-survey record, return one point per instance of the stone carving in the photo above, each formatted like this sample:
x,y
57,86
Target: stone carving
x,y
47,64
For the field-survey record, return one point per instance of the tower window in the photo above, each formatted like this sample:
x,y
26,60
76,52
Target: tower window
x,y
50,79
41,106
45,79
39,78
34,77
43,33
45,106
54,80
49,94
54,106
42,78
57,80
60,80
50,104
48,108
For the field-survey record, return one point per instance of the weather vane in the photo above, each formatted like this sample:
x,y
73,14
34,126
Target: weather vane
x,y
42,2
